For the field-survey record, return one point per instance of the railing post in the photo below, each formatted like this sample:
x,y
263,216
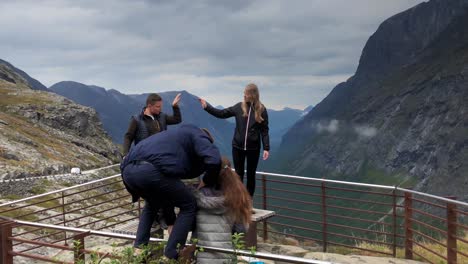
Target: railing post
x,y
265,222
5,243
394,222
451,233
408,226
78,248
64,218
324,218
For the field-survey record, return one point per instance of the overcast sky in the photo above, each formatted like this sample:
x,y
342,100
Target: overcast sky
x,y
295,51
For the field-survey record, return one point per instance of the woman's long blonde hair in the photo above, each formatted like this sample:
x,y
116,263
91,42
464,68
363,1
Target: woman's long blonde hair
x,y
252,95
236,197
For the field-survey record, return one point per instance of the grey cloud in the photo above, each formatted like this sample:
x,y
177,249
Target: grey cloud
x,y
129,44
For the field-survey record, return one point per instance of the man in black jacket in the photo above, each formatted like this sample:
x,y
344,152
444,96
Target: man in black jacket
x,y
153,170
151,120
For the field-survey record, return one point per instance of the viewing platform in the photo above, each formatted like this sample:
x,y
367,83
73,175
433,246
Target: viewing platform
x,y
317,214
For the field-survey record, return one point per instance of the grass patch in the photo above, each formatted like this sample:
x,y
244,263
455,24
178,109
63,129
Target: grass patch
x,y
46,204
37,189
18,214
12,197
400,253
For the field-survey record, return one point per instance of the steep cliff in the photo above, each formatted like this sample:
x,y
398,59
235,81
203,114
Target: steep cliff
x,y
402,118
44,133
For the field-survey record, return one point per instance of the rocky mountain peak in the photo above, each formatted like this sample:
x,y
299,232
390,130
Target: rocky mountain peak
x,y
32,83
402,37
401,119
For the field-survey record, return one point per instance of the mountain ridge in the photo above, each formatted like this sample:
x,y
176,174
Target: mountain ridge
x,y
399,121
44,133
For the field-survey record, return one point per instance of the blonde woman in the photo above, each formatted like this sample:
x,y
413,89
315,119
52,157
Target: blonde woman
x,y
251,131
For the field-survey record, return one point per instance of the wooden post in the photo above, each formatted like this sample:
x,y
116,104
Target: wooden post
x,y
408,226
265,222
78,248
64,218
6,244
324,218
451,233
394,223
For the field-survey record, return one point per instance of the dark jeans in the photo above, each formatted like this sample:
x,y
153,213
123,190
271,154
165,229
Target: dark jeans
x,y
239,156
159,190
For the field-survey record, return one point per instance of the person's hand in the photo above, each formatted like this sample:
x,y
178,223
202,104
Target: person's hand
x,y
201,185
202,102
176,100
266,154
169,229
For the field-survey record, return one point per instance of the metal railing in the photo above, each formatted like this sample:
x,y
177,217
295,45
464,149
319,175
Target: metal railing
x,y
78,250
330,215
378,219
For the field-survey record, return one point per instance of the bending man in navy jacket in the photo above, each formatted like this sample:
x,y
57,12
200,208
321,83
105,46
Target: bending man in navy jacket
x,y
153,170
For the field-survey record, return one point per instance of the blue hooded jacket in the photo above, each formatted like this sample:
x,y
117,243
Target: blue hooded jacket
x,y
185,152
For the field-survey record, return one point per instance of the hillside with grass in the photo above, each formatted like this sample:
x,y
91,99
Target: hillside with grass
x,y
44,133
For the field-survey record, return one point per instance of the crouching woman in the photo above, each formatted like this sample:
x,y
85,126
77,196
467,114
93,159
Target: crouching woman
x,y
220,206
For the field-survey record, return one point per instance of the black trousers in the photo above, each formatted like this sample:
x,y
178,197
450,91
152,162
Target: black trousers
x,y
239,156
159,190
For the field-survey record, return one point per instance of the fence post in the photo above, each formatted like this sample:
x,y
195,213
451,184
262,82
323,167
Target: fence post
x,y
408,226
451,233
78,248
394,222
6,244
265,222
324,218
64,218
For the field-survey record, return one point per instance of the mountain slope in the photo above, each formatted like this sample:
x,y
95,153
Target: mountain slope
x,y
279,122
116,109
43,133
113,108
33,83
193,113
401,119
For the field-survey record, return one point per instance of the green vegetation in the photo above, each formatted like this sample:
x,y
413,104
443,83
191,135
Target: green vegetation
x,y
24,214
153,254
12,197
461,247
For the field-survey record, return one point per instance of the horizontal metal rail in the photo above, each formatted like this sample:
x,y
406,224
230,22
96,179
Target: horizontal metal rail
x,y
59,191
384,187
259,255
429,250
293,200
421,256
429,215
363,249
356,200
360,239
427,237
295,192
295,236
430,227
296,227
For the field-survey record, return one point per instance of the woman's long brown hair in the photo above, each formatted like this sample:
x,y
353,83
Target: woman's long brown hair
x,y
236,197
253,95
